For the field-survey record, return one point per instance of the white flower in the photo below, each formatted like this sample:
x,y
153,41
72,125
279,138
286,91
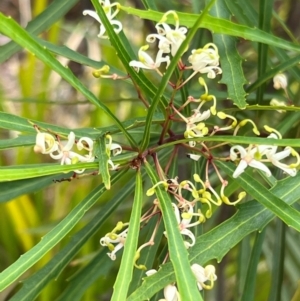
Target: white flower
x,y
280,81
164,44
206,60
170,291
175,36
196,130
45,143
113,238
276,157
87,144
146,62
204,274
114,149
184,224
248,158
110,15
68,157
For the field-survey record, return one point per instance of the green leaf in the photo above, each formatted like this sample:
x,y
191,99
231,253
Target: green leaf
x,y
231,62
278,261
11,190
103,157
251,216
20,172
43,21
285,212
99,266
219,26
265,16
149,254
177,251
13,30
35,283
250,282
237,140
124,276
20,141
14,271
16,123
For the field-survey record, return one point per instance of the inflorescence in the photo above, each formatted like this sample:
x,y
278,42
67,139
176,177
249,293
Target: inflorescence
x,y
203,121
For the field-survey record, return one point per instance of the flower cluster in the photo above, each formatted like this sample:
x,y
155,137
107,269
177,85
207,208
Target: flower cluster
x,y
257,155
63,151
47,144
202,60
202,275
199,122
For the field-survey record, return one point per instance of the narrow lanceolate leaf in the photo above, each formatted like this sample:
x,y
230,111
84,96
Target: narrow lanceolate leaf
x,y
11,190
177,251
14,31
43,21
101,153
27,260
251,216
125,273
219,26
20,172
259,192
78,285
231,62
21,124
265,17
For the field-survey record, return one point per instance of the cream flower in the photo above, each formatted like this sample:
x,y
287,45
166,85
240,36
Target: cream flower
x,y
184,224
68,157
175,36
45,143
247,158
110,14
170,291
146,62
113,149
113,238
275,159
280,81
204,274
163,43
196,130
206,60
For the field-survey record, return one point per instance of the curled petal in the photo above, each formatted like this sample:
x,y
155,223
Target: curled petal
x,y
45,143
191,235
70,142
92,14
85,143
